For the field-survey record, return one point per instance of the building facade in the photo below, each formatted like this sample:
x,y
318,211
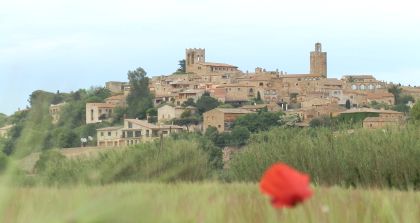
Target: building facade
x,y
222,118
318,61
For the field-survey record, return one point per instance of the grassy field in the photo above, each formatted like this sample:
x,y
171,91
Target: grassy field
x,y
201,202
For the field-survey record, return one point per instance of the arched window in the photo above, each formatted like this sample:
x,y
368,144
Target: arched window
x,y
354,87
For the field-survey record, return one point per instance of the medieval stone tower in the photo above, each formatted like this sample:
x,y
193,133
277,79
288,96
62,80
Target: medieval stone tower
x,y
192,57
319,61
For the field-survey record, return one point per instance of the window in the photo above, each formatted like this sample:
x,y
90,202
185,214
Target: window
x,y
129,134
102,133
165,132
130,125
138,134
109,133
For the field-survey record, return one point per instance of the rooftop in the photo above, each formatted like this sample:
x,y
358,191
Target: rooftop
x,y
369,110
112,128
218,65
233,110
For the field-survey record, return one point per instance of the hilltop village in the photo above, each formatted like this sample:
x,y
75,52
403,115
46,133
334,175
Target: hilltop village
x,y
303,98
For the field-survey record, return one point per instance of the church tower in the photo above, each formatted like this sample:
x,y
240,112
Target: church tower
x,y
192,57
319,61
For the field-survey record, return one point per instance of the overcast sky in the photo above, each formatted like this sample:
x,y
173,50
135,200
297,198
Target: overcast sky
x,y
66,45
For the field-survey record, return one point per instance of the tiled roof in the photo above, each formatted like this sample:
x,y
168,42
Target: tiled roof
x,y
102,105
299,75
370,110
234,110
144,123
112,128
218,65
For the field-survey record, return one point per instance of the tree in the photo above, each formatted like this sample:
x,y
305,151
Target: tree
x,y
189,102
140,99
256,122
258,99
206,103
323,121
182,67
239,136
415,112
118,115
3,119
396,91
288,121
187,121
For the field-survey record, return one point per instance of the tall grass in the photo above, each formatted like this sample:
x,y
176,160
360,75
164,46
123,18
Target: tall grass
x,y
373,158
179,160
203,202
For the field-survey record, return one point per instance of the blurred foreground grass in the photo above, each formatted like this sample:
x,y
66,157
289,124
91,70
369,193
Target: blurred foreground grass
x,y
201,202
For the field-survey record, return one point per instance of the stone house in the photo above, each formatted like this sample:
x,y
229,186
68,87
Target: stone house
x,y
222,118
136,131
194,94
381,122
116,87
272,107
235,92
363,83
117,100
110,137
133,132
308,113
195,62
55,112
97,112
380,113
169,112
381,97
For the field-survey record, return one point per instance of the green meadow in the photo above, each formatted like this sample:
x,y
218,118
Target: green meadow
x,y
202,202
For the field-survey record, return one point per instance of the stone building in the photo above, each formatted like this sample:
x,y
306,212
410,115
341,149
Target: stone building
x,y
363,83
55,112
110,137
136,131
117,100
222,118
381,122
318,61
116,87
193,94
133,132
272,107
97,112
169,112
195,62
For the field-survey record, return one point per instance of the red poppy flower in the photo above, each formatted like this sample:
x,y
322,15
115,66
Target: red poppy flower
x,y
286,186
